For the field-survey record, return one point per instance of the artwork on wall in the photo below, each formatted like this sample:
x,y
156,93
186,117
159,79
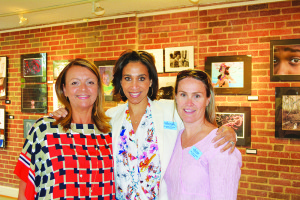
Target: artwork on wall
x,y
166,87
238,118
287,112
158,54
58,66
34,68
3,79
2,126
34,98
230,74
27,124
106,72
179,58
56,103
285,60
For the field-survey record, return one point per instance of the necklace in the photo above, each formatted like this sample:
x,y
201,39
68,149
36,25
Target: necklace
x,y
92,181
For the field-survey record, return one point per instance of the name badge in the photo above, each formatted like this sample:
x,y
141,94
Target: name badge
x,y
196,153
170,125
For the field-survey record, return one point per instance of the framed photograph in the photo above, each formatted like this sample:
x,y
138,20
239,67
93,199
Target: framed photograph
x,y
287,112
3,66
27,124
58,66
285,60
158,54
56,103
230,74
106,70
238,118
2,126
34,68
34,98
166,87
179,58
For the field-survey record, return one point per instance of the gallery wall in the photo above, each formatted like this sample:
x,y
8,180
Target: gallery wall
x,y
274,172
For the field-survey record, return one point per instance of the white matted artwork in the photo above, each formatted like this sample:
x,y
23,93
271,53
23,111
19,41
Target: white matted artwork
x,y
3,64
179,58
56,103
158,54
166,87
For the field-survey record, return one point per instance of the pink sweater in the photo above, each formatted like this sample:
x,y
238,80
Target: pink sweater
x,y
214,175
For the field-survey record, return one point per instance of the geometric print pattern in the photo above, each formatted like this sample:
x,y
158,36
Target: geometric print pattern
x,y
76,164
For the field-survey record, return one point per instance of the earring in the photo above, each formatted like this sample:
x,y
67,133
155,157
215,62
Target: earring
x,y
67,99
121,91
151,91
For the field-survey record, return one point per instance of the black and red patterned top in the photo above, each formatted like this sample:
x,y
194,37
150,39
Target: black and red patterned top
x,y
76,164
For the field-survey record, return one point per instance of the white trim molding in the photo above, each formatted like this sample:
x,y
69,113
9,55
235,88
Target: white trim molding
x,y
9,191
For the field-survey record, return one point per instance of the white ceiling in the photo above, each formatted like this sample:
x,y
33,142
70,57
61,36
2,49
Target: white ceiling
x,y
44,12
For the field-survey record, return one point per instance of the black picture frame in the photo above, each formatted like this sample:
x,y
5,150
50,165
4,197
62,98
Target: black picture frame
x,y
287,110
238,118
2,126
34,68
238,81
279,72
34,98
106,69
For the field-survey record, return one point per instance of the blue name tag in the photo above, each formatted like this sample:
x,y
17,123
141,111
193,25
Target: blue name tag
x,y
196,153
170,125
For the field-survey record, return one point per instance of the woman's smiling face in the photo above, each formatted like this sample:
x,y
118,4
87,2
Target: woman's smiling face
x,y
135,82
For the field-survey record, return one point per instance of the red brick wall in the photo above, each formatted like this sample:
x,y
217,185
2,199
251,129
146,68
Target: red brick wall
x,y
246,30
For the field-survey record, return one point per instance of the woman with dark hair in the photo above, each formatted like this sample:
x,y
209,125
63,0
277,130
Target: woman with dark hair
x,y
197,170
224,78
144,130
67,158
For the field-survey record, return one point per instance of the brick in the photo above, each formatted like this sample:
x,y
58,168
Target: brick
x,y
278,195
260,187
257,7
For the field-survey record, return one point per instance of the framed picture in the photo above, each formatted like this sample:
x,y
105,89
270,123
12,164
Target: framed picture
x,y
158,54
230,74
238,118
58,66
106,70
56,103
34,98
34,68
3,66
27,124
287,112
166,87
179,58
2,126
285,60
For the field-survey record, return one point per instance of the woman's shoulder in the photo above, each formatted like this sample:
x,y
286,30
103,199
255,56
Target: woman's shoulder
x,y
163,103
114,110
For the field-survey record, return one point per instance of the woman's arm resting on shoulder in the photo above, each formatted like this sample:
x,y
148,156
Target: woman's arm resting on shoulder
x,y
22,187
225,134
59,113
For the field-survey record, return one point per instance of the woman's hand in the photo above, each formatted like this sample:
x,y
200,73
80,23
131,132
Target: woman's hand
x,y
59,113
225,134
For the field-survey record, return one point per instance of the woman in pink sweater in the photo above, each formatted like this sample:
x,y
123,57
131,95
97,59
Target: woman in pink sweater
x,y
197,170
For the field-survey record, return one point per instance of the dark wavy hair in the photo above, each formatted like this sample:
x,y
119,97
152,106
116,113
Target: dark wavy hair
x,y
210,110
98,113
129,56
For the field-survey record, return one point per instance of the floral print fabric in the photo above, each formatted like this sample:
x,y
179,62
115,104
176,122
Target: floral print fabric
x,y
137,168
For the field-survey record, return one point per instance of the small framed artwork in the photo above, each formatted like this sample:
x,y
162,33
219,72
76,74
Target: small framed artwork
x,y
285,60
56,103
179,58
239,119
2,126
27,124
166,87
34,68
34,98
58,66
158,54
230,74
3,66
106,70
287,112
